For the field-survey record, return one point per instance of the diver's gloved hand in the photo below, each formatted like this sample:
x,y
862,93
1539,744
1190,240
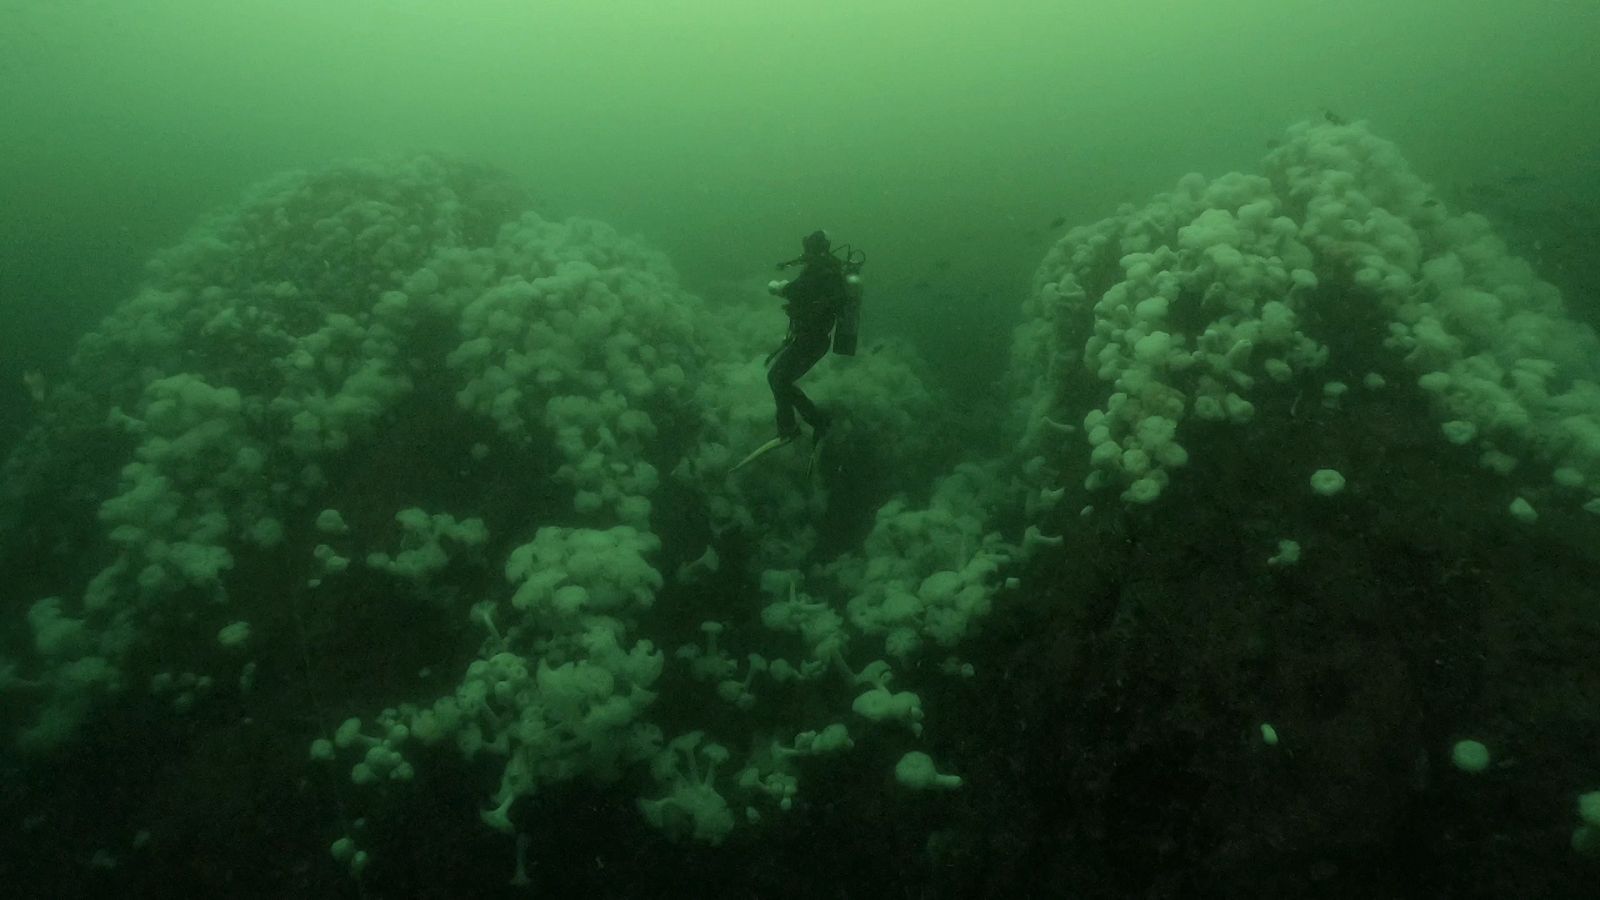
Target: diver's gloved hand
x,y
776,286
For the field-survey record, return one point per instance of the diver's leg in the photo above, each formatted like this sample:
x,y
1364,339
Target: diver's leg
x,y
806,355
780,377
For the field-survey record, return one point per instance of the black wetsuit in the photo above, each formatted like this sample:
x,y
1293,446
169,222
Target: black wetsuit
x,y
815,298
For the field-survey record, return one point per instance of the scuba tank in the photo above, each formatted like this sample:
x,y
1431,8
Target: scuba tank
x,y
847,327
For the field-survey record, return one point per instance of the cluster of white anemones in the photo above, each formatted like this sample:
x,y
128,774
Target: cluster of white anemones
x,y
1182,307
282,337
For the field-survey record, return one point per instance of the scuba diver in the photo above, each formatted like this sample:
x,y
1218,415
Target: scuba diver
x,y
824,307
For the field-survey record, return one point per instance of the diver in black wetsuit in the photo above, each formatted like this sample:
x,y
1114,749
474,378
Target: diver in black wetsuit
x,y
824,295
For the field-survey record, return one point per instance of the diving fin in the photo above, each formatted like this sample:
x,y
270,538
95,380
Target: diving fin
x,y
761,451
816,451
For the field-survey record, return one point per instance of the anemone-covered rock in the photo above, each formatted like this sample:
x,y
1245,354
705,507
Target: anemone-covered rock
x,y
1337,265
376,337
268,346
